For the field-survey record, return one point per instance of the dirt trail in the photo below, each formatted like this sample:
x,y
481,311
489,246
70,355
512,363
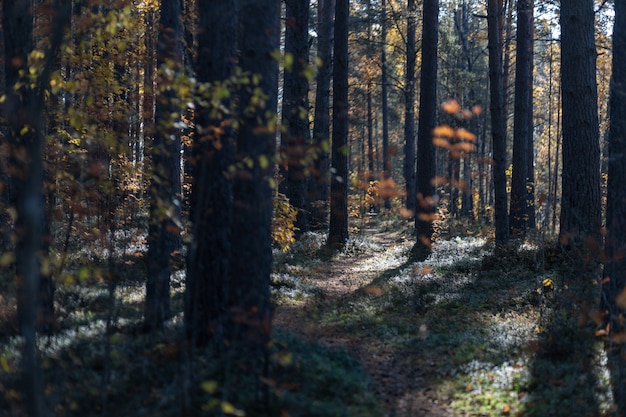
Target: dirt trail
x,y
400,383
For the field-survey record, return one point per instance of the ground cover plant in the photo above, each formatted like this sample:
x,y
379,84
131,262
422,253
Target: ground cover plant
x,y
362,332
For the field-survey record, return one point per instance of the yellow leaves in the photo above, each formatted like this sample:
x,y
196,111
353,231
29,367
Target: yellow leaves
x,y
5,366
209,386
548,284
7,259
230,409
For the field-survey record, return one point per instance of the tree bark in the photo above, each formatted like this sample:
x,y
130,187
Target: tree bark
x,y
251,250
426,203
615,247
498,121
520,208
23,110
386,171
165,188
580,202
409,112
338,230
211,205
319,188
295,117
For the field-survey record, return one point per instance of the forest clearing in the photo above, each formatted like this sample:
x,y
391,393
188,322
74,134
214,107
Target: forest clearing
x,y
364,332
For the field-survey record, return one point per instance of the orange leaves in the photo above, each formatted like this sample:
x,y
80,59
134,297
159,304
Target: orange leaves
x,y
621,299
458,141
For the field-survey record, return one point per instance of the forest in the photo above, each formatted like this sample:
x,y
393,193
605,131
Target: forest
x,y
312,208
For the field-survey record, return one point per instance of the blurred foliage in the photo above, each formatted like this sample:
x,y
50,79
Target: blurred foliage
x,y
283,222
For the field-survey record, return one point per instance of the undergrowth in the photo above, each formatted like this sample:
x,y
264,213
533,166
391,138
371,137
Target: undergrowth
x,y
466,332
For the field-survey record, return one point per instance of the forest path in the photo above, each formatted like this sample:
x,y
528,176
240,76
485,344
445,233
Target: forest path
x,y
351,280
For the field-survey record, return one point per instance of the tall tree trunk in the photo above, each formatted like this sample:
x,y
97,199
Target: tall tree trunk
x,y
251,251
370,133
519,215
208,261
23,110
615,261
386,169
319,190
295,117
409,112
165,188
426,203
580,202
338,230
498,121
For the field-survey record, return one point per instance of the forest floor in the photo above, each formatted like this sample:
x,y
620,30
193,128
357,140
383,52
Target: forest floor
x,y
463,333
365,332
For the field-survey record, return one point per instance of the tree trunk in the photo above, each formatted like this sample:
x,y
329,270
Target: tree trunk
x,y
25,137
208,261
338,230
386,169
426,203
409,112
165,188
498,121
519,216
319,191
615,248
251,251
295,117
580,202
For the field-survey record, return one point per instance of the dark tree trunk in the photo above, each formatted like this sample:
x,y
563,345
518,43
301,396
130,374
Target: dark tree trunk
x,y
370,134
409,113
498,121
519,216
295,116
615,248
427,121
251,251
23,110
338,230
208,261
319,189
165,188
386,171
27,179
580,202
